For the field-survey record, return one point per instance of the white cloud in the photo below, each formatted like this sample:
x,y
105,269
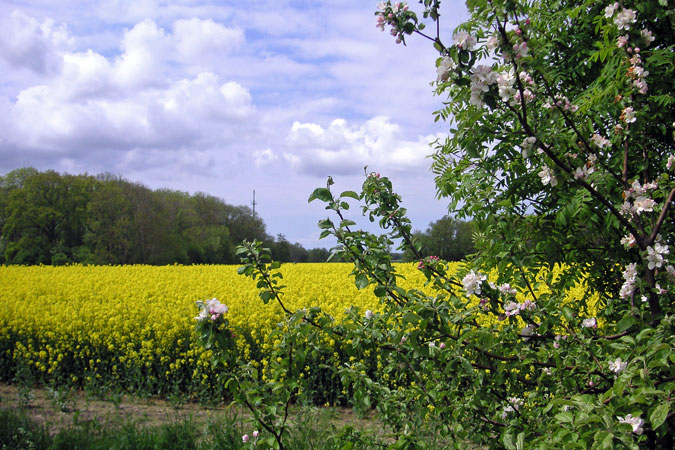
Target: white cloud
x,y
199,41
342,148
27,43
145,51
263,157
97,104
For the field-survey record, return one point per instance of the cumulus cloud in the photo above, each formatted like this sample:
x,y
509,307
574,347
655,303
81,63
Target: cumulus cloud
x,y
198,40
263,157
127,102
343,148
27,43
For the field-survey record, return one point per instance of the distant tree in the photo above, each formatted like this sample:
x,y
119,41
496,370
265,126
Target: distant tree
x,y
44,218
447,238
243,225
317,255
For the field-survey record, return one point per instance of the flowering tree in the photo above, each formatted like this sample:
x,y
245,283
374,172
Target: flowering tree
x,y
561,149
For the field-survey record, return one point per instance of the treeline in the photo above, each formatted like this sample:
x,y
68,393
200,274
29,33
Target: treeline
x,y
448,238
52,218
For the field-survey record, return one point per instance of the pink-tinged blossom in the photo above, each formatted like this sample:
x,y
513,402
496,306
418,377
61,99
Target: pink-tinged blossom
x,y
547,176
563,103
245,438
506,289
628,241
600,141
635,422
256,433
481,78
520,50
647,36
624,19
643,204
511,309
628,115
464,40
581,172
670,270
617,365
589,323
212,309
505,81
526,78
472,282
492,42
445,68
655,255
671,162
622,41
528,95
611,9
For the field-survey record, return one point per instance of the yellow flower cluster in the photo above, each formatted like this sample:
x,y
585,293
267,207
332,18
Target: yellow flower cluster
x,y
133,326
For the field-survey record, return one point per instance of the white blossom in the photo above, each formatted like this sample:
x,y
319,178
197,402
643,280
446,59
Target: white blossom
x,y
628,115
635,422
464,40
643,204
655,255
505,82
590,323
547,176
472,282
624,18
444,69
492,42
611,9
647,36
507,289
212,309
600,141
617,365
481,78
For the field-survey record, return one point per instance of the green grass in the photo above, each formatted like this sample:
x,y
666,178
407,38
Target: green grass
x,y
312,430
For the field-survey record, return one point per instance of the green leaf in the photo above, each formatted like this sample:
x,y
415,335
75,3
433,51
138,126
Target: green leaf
x,y
350,194
322,194
568,313
508,442
520,441
625,323
346,223
325,233
361,281
380,291
603,439
658,416
325,223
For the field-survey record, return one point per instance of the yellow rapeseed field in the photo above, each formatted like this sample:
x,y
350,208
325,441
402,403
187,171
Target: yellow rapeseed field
x,y
133,326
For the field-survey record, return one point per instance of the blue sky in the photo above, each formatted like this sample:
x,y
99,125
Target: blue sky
x,y
222,97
